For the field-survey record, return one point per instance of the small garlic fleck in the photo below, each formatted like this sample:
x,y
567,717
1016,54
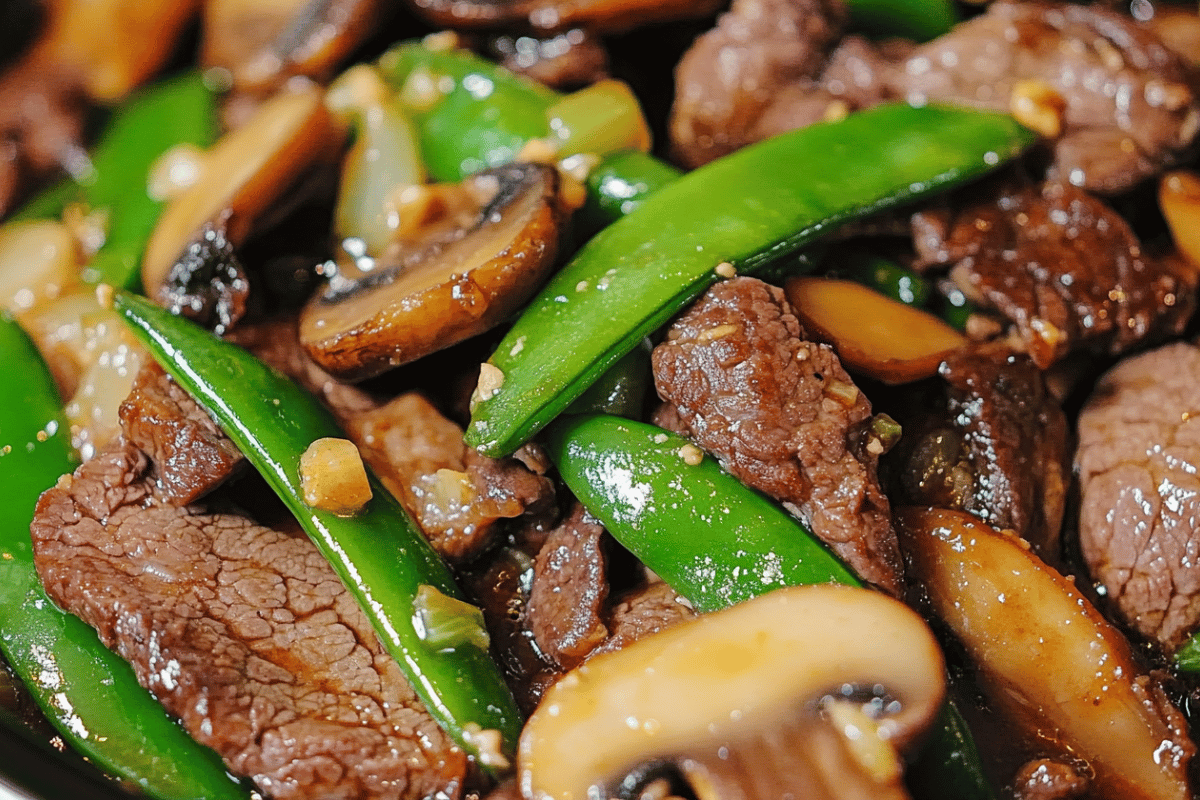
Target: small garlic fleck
x,y
717,332
491,378
726,270
691,455
333,477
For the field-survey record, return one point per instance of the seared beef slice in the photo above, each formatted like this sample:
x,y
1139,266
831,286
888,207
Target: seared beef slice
x,y
993,443
190,455
781,414
244,633
1139,451
1064,268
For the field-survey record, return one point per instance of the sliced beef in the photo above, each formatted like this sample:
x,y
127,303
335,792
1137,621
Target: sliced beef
x,y
781,413
641,612
731,75
455,494
994,443
1061,266
1129,110
189,454
1122,101
569,591
42,109
500,585
246,634
1140,493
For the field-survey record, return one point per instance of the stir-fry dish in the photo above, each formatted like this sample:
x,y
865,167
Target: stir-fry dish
x,y
597,399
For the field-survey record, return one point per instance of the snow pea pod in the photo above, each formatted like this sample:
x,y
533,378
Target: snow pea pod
x,y
743,212
86,691
379,553
708,535
471,113
182,110
718,542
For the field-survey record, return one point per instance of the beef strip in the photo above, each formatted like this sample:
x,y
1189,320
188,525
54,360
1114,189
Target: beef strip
x,y
732,73
641,612
1128,109
42,110
189,454
1061,266
994,443
569,591
1137,461
781,413
245,633
455,494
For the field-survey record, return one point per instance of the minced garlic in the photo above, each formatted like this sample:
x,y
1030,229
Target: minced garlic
x,y
333,477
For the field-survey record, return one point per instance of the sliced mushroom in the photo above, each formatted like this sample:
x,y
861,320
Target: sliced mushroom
x,y
1044,652
264,42
243,175
761,700
452,285
873,334
552,16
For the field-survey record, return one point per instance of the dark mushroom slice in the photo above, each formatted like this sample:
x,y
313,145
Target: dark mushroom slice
x,y
756,701
244,174
551,16
432,294
264,42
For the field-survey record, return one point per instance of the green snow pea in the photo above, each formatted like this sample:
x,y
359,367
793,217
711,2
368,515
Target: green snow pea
x,y
713,539
379,553
182,110
471,113
718,542
920,20
746,211
86,691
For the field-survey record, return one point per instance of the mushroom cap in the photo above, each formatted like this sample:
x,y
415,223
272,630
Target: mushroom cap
x,y
720,678
460,285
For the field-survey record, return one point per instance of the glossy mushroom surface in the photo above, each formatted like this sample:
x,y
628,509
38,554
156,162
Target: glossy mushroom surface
x,y
438,289
764,697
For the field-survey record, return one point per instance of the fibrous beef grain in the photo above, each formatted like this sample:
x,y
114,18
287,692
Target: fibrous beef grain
x,y
1061,266
246,634
993,443
569,591
189,454
782,414
1123,104
732,74
1138,461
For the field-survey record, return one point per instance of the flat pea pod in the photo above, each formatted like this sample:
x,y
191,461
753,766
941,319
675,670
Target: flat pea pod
x,y
470,113
718,542
746,211
181,110
919,20
86,691
708,535
379,553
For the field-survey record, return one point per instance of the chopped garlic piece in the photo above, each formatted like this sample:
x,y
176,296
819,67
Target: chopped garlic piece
x,y
333,477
